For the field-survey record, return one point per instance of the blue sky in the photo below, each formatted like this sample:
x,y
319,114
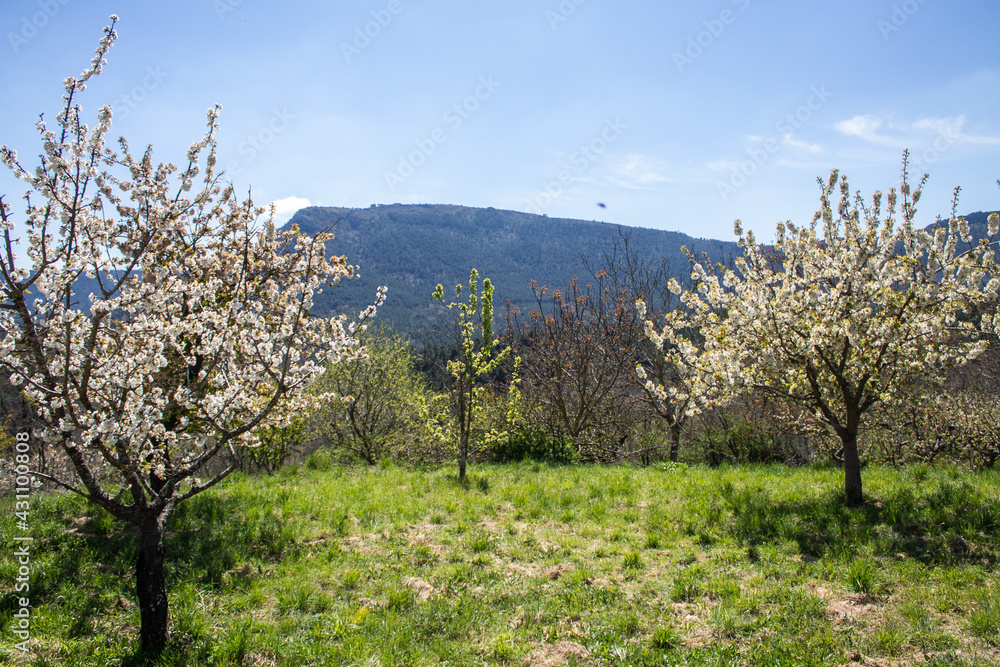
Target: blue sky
x,y
674,115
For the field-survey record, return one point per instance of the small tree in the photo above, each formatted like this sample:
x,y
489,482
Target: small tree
x,y
634,279
478,358
578,350
197,328
375,398
845,320
273,443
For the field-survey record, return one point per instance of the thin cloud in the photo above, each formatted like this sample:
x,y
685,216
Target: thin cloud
x,y
902,134
952,127
636,171
766,149
864,127
789,141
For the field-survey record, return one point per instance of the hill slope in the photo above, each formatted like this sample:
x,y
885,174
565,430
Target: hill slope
x,y
412,248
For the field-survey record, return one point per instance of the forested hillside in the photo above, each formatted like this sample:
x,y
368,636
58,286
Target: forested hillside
x,y
412,248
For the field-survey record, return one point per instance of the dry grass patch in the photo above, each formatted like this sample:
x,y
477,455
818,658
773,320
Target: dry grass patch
x,y
555,655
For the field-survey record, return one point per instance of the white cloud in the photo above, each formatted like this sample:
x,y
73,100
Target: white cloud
x,y
952,127
911,134
285,208
790,141
865,127
764,149
638,171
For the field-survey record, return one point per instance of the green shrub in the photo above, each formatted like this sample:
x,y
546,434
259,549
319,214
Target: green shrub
x,y
744,443
533,445
382,414
320,459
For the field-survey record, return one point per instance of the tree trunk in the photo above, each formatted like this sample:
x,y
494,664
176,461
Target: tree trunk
x,y
675,441
852,469
151,588
463,453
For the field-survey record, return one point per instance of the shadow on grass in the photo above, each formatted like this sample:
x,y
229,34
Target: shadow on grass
x,y
83,560
480,483
211,536
950,524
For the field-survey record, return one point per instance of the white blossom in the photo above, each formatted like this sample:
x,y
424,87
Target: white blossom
x,y
201,332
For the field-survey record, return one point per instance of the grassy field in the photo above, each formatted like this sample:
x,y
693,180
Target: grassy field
x,y
534,565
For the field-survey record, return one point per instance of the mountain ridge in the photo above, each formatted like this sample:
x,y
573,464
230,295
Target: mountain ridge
x,y
509,247
411,248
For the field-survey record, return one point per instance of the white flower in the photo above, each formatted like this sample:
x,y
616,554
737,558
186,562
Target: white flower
x,y
782,318
208,330
963,229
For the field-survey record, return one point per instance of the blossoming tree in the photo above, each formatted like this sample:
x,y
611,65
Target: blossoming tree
x,y
839,314
199,330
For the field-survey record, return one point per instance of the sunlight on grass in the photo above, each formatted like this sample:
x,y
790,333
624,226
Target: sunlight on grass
x,y
736,566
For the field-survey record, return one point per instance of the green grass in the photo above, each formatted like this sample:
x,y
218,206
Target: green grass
x,y
526,564
862,576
